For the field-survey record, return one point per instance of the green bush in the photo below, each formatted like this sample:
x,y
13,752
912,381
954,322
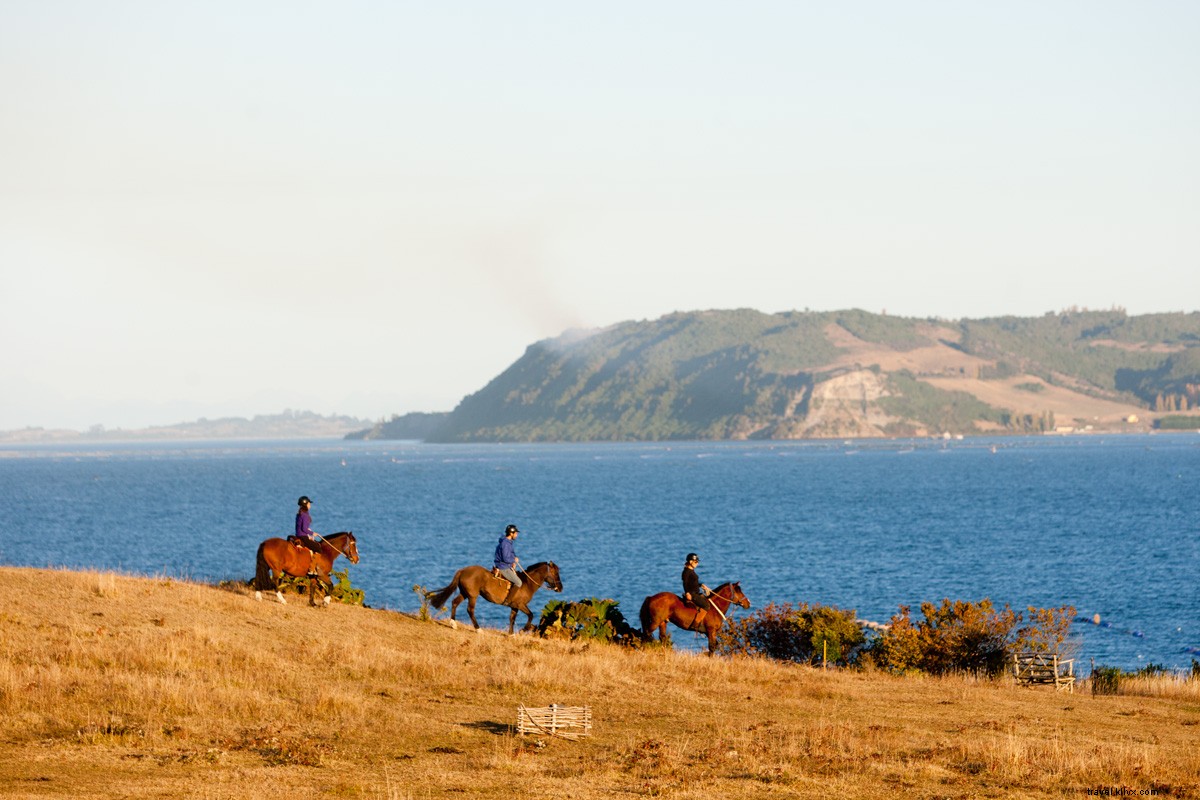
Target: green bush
x,y
1106,680
594,619
340,588
805,634
1178,423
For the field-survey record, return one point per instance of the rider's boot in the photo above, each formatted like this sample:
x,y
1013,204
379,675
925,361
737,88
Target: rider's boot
x,y
697,623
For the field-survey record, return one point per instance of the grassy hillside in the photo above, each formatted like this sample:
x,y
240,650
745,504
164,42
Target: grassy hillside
x,y
114,686
745,374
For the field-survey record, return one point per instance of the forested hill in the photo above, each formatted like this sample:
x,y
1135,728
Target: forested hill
x,y
745,374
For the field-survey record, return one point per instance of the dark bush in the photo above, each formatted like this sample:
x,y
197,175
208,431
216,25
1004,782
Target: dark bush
x,y
594,618
804,634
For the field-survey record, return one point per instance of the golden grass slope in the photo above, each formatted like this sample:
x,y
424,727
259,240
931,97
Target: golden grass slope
x,y
116,686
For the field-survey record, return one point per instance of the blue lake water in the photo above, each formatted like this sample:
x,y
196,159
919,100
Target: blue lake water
x,y
1110,525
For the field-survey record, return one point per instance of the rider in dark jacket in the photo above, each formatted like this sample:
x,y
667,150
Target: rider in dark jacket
x,y
695,592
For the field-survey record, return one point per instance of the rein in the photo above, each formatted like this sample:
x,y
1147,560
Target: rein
x,y
332,547
716,608
539,583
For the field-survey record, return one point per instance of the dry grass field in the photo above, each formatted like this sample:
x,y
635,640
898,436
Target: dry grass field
x,y
115,686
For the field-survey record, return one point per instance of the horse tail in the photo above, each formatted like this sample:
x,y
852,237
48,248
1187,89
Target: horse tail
x,y
647,618
438,597
262,572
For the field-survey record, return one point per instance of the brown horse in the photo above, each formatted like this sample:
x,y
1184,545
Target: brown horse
x,y
278,557
474,582
658,609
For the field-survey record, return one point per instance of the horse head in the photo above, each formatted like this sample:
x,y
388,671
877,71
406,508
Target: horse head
x,y
737,596
552,578
349,548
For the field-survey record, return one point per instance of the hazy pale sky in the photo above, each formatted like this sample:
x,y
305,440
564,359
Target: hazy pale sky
x,y
220,208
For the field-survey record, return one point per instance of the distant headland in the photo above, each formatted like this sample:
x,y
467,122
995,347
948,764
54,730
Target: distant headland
x,y
744,374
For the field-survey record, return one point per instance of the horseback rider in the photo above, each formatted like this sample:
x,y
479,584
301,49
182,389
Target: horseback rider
x,y
505,561
694,592
305,535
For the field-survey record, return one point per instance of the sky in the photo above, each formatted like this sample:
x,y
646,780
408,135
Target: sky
x,y
370,208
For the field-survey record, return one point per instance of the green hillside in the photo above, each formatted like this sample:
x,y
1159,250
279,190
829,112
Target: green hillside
x,y
746,374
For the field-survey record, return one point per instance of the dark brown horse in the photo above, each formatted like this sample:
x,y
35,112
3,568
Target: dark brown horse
x,y
659,609
474,582
278,557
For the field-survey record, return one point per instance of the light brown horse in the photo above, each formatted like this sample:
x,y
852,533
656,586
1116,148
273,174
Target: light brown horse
x,y
278,557
658,609
474,582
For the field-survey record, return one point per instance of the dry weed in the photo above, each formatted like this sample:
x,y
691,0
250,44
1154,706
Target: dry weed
x,y
118,686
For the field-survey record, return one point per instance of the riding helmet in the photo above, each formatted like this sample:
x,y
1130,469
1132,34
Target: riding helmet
x,y
692,557
304,500
511,529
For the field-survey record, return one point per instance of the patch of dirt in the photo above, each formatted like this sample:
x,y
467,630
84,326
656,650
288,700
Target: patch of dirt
x,y
939,358
1069,407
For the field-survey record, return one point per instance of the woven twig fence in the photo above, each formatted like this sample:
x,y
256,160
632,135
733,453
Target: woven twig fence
x,y
565,722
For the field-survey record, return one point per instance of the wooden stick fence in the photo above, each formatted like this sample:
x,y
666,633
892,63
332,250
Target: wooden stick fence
x,y
565,722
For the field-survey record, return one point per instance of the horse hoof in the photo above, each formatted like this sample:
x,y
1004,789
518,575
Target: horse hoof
x,y
479,630
327,600
258,596
453,625
280,596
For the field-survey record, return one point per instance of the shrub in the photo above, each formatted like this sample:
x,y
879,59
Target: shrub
x,y
345,592
1046,631
340,588
1106,680
593,618
805,634
957,635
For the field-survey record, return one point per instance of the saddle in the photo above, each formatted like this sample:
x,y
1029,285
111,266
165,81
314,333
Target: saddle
x,y
496,574
294,541
701,613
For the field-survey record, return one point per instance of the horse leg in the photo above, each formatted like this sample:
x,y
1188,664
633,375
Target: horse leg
x,y
454,610
315,581
275,576
471,611
512,619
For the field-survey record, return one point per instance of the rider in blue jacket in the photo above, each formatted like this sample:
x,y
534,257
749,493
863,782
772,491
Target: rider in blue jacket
x,y
505,562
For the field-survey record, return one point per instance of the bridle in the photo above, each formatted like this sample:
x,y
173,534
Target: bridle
x,y
334,548
717,608
532,579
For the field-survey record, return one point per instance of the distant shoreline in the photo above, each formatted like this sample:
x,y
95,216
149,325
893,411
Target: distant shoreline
x,y
115,437
286,425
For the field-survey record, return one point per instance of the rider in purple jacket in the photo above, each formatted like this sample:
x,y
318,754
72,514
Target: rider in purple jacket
x,y
305,535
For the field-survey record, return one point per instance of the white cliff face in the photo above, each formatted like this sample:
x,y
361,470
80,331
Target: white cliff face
x,y
845,406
